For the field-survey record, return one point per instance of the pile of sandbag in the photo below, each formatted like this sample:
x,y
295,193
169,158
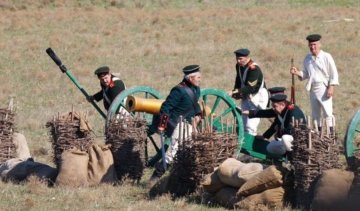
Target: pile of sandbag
x,y
69,130
7,147
244,185
80,168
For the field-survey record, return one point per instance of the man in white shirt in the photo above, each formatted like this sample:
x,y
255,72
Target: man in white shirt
x,y
322,75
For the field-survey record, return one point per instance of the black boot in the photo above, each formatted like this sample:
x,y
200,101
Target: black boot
x,y
158,172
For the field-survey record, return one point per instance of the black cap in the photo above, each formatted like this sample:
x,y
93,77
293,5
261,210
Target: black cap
x,y
102,70
242,52
278,98
191,69
276,90
313,37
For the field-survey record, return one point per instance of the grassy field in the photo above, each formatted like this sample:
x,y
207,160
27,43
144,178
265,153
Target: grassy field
x,y
147,43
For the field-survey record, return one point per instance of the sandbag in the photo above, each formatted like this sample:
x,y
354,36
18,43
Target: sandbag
x,y
101,165
332,189
17,170
249,170
267,179
235,173
8,165
228,171
73,170
226,197
21,146
211,182
272,198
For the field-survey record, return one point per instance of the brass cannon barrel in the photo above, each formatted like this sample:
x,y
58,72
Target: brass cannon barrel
x,y
151,106
138,104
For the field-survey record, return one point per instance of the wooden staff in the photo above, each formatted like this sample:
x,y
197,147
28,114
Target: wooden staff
x,y
292,84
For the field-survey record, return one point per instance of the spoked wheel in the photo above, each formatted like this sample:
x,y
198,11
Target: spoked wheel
x,y
226,116
119,104
352,139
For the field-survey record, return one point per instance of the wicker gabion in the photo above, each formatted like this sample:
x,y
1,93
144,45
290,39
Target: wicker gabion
x,y
127,136
7,147
69,130
313,152
198,156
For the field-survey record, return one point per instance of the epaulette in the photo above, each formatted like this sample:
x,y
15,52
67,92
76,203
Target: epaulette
x,y
181,85
251,65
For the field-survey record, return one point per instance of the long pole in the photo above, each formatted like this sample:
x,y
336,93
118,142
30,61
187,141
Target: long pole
x,y
64,69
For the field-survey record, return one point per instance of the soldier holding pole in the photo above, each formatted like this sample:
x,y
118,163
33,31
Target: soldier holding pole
x,y
322,75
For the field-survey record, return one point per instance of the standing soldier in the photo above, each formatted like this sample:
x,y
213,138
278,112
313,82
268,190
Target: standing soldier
x,y
250,87
111,86
322,75
182,101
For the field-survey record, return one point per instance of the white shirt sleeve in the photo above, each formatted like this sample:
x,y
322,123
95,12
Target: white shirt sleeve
x,y
333,73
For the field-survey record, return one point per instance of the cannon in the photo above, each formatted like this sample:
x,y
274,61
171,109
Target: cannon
x,y
216,102
225,114
352,140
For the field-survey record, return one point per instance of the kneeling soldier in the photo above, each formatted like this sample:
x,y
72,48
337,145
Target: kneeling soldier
x,y
284,112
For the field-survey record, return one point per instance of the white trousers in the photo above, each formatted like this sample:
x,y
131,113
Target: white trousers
x,y
320,103
176,136
258,101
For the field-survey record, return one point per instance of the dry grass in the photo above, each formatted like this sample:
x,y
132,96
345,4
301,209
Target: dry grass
x,y
148,42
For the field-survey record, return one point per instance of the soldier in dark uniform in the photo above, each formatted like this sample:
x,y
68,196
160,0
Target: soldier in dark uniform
x,y
182,101
111,86
250,87
284,112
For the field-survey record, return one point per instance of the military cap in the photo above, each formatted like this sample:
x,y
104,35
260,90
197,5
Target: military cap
x,y
191,69
276,90
313,37
102,70
242,52
278,98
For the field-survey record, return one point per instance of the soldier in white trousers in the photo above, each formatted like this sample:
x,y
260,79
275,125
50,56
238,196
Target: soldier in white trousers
x,y
250,88
322,75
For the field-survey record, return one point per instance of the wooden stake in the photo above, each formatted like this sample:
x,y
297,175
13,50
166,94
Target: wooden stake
x,y
316,126
180,128
221,123
211,123
72,112
322,128
308,122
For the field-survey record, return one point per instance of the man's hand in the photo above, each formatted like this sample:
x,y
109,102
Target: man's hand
x,y
294,71
230,93
330,91
90,98
197,120
161,129
246,113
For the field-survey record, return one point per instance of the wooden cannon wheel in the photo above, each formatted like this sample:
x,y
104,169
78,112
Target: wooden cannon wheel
x,y
352,139
226,114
